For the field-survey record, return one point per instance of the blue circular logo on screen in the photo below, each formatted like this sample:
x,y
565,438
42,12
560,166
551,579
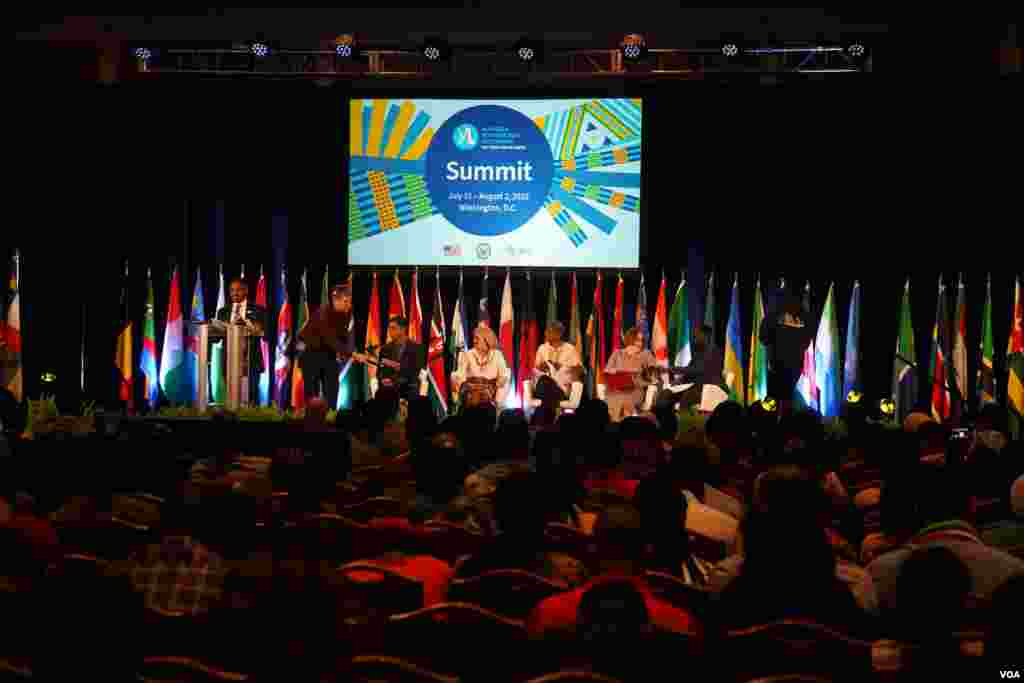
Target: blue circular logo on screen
x,y
466,137
489,170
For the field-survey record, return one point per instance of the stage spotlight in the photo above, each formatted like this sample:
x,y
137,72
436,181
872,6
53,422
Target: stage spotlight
x,y
528,51
769,404
730,49
887,409
854,397
345,46
856,50
633,47
435,50
259,49
143,54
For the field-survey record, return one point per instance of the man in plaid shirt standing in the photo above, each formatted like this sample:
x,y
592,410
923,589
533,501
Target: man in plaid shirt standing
x,y
179,574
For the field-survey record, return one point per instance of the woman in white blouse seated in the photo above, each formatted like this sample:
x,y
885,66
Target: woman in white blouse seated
x,y
482,362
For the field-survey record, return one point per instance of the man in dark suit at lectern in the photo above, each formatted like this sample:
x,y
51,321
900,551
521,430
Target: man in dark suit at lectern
x,y
255,317
401,360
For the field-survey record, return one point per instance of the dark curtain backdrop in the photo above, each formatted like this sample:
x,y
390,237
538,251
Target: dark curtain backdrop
x,y
870,178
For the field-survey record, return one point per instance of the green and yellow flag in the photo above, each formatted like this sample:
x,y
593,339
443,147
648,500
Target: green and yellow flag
x,y
1015,365
757,371
986,375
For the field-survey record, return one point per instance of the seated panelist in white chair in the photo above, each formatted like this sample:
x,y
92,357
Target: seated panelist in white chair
x,y
628,373
685,385
555,367
482,375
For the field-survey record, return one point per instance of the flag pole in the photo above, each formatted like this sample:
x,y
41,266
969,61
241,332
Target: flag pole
x,y
82,377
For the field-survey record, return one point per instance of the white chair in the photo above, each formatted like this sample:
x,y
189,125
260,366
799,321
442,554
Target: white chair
x,y
649,396
572,403
456,378
710,397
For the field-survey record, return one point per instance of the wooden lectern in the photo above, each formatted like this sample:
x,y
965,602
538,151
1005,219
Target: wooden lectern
x,y
236,366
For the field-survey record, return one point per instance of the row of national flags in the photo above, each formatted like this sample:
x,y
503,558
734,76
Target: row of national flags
x,y
946,374
827,378
823,387
824,383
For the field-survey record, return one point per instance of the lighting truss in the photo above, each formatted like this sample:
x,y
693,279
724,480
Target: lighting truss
x,y
490,60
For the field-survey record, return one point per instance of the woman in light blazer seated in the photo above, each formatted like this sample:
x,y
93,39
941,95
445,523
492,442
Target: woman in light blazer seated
x,y
482,374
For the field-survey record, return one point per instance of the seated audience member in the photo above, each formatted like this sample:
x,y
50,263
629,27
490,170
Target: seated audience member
x,y
606,467
730,448
382,434
799,431
933,587
820,459
23,564
926,614
594,416
228,469
641,446
221,462
688,466
513,436
520,515
663,511
1009,533
439,471
13,414
612,627
619,536
81,517
710,513
512,441
35,528
179,573
932,441
421,422
476,432
558,461
992,419
433,574
943,503
483,482
787,569
24,599
897,497
1003,644
913,421
668,429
